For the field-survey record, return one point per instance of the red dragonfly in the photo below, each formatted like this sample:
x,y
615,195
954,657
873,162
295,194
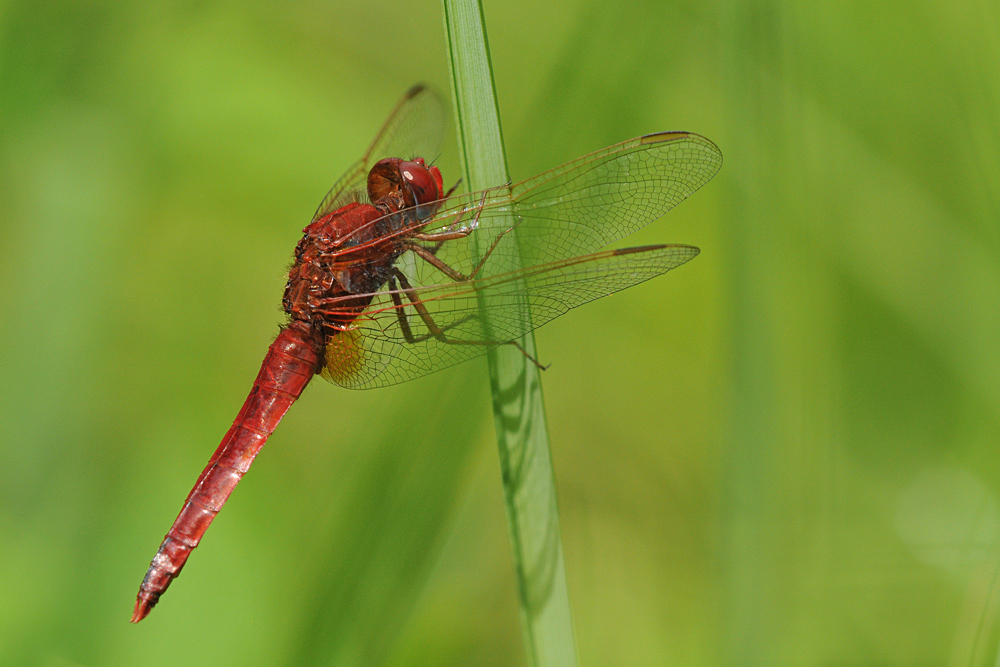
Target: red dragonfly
x,y
395,279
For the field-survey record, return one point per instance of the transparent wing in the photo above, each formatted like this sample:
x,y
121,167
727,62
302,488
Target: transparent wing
x,y
569,211
414,129
408,333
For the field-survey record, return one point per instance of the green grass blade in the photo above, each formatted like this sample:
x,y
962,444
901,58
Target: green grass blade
x,y
519,412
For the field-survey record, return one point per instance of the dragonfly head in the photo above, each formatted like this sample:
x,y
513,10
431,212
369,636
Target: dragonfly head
x,y
406,183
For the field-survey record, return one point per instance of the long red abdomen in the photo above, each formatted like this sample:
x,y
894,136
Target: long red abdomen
x,y
291,361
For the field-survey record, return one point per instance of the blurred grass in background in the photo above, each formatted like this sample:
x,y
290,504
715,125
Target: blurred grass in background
x,y
783,453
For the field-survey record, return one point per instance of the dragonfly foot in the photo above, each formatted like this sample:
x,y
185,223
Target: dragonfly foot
x,y
530,358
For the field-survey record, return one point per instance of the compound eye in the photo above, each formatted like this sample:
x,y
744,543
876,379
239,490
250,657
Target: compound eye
x,y
421,185
383,179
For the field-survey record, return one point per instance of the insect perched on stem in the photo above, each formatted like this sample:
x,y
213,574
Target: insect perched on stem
x,y
396,278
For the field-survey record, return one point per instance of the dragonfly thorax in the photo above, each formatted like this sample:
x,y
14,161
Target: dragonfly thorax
x,y
339,255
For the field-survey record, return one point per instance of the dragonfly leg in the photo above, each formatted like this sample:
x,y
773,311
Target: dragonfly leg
x,y
436,331
438,240
530,358
430,254
444,236
440,237
453,188
452,231
427,254
404,323
493,246
489,252
435,235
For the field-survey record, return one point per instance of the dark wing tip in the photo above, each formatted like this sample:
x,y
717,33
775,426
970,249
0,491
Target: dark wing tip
x,y
660,137
649,248
638,248
414,90
664,137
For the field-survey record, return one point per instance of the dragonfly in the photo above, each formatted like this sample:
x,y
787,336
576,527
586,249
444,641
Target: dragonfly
x,y
395,278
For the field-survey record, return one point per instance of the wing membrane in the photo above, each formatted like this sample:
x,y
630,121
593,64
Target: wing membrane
x,y
392,343
571,210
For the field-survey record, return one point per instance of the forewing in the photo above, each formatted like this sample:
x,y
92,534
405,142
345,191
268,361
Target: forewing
x,y
577,208
415,128
569,211
393,343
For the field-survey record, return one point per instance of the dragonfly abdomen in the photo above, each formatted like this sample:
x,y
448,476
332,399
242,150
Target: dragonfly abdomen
x,y
293,358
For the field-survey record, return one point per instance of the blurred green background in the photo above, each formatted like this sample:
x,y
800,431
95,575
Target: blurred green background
x,y
784,453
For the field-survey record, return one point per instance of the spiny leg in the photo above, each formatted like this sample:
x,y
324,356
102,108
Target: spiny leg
x,y
440,237
436,331
437,246
428,256
453,188
450,232
404,323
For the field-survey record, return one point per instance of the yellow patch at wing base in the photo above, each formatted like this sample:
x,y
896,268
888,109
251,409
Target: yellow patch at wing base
x,y
345,357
